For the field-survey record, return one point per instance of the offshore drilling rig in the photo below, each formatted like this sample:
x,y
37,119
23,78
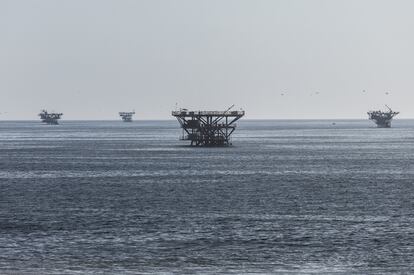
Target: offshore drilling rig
x,y
208,128
382,119
127,116
50,118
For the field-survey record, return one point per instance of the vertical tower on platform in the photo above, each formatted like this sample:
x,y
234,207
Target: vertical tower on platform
x,y
208,128
127,116
50,118
382,119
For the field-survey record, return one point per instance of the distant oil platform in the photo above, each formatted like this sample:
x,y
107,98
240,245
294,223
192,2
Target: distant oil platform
x,y
382,119
50,118
208,128
127,116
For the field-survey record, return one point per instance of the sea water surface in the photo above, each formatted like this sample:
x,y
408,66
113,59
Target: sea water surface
x,y
108,197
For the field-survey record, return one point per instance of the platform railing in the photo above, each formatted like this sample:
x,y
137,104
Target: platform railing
x,y
207,113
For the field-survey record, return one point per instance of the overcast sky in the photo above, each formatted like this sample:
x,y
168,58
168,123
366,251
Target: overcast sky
x,y
92,58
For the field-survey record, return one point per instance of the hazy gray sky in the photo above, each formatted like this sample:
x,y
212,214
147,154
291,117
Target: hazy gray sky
x,y
93,58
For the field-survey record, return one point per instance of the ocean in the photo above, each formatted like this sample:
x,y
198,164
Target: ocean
x,y
290,196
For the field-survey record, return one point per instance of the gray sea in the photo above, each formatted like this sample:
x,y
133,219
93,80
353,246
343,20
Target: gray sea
x,y
107,197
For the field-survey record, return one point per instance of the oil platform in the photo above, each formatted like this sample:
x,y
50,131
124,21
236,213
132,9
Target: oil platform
x,y
126,116
50,118
382,119
208,128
